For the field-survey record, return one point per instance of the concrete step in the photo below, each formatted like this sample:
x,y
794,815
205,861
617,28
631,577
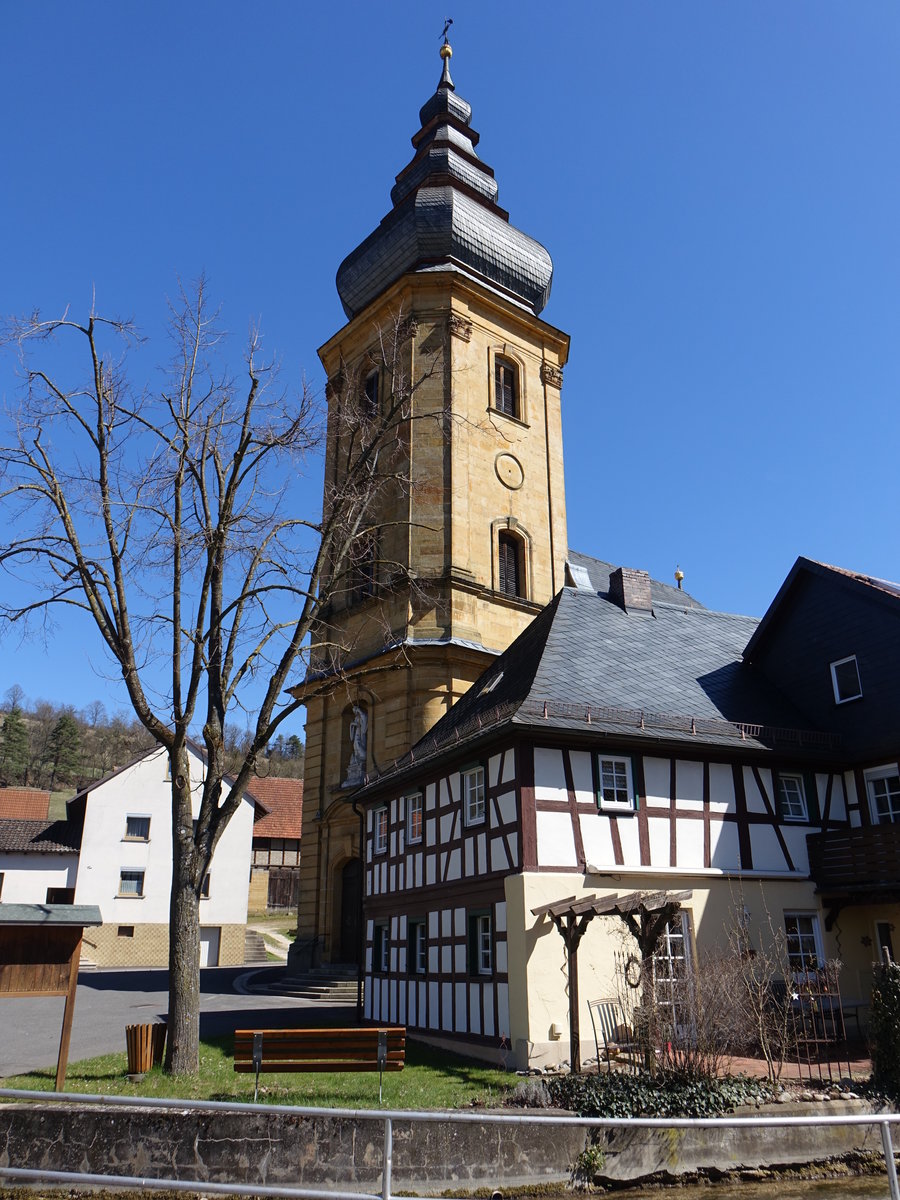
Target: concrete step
x,y
254,948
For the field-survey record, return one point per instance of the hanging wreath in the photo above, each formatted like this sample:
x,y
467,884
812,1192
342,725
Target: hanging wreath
x,y
633,971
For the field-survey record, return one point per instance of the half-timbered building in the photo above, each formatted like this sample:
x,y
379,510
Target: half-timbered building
x,y
628,740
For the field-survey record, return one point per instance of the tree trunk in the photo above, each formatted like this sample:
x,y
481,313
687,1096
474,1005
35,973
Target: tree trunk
x,y
183,1043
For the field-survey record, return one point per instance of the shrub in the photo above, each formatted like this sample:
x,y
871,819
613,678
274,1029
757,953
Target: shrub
x,y
666,1094
884,1030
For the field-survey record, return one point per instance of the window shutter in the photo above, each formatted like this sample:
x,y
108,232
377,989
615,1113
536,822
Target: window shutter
x,y
508,565
812,797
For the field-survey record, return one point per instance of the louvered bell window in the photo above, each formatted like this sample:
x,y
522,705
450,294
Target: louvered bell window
x,y
509,565
506,398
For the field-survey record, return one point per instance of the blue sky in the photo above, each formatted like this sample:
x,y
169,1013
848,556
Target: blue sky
x,y
718,184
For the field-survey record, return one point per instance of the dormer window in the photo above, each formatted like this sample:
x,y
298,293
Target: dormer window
x,y
845,680
506,387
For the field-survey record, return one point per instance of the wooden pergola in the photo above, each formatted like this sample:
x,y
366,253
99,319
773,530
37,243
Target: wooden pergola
x,y
646,915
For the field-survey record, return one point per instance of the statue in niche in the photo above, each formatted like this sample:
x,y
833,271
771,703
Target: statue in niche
x,y
356,768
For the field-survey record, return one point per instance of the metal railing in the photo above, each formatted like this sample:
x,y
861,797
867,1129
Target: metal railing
x,y
387,1118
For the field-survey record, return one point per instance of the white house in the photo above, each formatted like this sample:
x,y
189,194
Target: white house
x,y
38,862
125,868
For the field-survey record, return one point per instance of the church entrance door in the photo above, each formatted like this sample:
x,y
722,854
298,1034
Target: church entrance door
x,y
351,897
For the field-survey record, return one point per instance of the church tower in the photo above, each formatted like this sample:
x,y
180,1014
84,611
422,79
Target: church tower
x,y
478,538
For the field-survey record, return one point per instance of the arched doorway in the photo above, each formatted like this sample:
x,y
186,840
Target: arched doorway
x,y
351,902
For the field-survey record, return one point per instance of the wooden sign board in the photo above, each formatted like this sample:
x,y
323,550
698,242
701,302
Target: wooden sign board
x,y
40,949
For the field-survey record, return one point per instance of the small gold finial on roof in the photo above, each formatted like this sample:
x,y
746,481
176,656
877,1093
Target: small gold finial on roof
x,y
446,55
679,576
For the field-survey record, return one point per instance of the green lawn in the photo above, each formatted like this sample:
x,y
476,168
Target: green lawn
x,y
430,1079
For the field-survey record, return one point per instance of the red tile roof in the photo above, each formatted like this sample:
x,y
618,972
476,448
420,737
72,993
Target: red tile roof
x,y
24,804
284,800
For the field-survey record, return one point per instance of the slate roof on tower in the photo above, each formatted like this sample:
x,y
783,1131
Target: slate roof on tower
x,y
446,218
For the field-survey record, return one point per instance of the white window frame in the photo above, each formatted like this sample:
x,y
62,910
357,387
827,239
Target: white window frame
x,y
815,931
415,803
380,829
888,771
138,878
483,944
472,787
417,948
787,809
381,947
838,698
137,837
615,761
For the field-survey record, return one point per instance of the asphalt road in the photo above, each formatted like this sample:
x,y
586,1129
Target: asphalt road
x,y
108,1000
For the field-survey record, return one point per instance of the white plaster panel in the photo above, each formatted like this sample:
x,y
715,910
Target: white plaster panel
x,y
446,919
493,770
401,876
581,776
724,850
549,775
658,833
498,855
447,1006
412,1014
658,802
382,871
555,842
461,1024
482,854
433,1005
402,1014
795,839
418,870
446,826
629,835
453,783
367,1004
656,780
392,815
422,1002
689,783
513,839
429,797
506,806
501,957
488,993
401,927
597,839
470,855
393,842
509,766
454,868
500,916
766,850
393,1000
392,885
433,964
460,957
433,924
446,959
429,870
721,788
459,922
838,800
503,1008
755,803
689,843
474,1008
430,827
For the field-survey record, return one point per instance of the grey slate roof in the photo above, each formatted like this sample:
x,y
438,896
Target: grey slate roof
x,y
446,214
585,665
37,837
599,572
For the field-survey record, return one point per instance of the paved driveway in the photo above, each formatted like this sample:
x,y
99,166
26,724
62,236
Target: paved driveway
x,y
108,1000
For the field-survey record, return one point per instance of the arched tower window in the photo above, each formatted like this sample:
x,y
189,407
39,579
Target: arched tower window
x,y
370,395
510,564
506,387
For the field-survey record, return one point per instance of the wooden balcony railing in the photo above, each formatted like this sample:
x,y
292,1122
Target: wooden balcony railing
x,y
866,859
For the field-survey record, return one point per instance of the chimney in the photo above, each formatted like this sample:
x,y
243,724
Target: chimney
x,y
630,589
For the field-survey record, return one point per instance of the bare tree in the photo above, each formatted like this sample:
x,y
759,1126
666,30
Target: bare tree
x,y
165,515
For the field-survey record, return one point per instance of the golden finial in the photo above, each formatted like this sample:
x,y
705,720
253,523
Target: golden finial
x,y
446,55
679,576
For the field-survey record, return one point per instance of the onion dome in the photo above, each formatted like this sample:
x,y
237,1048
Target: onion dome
x,y
446,217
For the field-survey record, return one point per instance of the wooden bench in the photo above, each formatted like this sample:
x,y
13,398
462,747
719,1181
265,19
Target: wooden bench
x,y
368,1049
